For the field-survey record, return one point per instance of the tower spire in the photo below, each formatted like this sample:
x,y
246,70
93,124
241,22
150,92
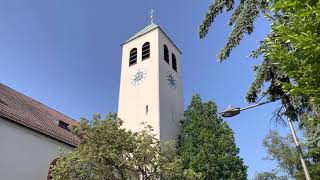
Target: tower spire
x,y
151,16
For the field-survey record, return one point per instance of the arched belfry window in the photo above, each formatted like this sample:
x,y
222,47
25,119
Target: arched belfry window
x,y
174,62
166,53
133,57
145,51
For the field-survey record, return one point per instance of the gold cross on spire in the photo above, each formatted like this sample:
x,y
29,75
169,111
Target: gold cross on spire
x,y
151,16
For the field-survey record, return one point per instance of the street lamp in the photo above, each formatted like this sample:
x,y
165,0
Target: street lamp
x,y
230,112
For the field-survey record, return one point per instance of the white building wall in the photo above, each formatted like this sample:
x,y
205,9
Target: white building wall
x,y
133,99
165,104
24,153
171,100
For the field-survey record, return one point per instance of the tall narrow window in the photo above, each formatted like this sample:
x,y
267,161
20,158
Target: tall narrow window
x,y
166,53
147,109
174,62
145,51
133,57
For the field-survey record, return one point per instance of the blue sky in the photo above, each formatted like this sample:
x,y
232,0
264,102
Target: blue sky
x,y
67,55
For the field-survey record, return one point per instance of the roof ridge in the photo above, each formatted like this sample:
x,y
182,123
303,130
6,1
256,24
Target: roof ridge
x,y
35,115
72,141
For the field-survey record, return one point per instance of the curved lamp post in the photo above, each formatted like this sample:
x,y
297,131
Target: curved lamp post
x,y
230,112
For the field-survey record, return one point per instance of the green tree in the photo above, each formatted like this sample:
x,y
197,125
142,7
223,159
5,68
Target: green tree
x,y
282,150
294,44
269,176
268,73
312,132
291,53
108,151
241,21
207,144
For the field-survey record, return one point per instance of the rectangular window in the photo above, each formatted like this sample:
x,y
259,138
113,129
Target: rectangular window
x,y
147,109
63,125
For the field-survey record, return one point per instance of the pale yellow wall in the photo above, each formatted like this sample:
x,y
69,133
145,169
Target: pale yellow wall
x,y
24,153
165,104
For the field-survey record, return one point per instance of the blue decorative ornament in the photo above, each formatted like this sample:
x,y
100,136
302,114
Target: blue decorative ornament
x,y
138,77
171,80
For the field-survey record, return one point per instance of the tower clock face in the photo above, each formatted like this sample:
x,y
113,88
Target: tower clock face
x,y
138,77
171,80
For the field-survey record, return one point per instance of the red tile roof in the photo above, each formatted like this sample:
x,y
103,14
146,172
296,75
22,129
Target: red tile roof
x,y
30,113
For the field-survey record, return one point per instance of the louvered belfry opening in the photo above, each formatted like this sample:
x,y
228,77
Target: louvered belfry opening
x,y
166,53
133,57
145,51
174,62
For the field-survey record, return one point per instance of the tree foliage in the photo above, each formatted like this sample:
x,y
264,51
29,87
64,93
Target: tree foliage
x,y
291,59
311,130
241,21
293,44
108,151
207,144
291,48
269,176
268,72
282,150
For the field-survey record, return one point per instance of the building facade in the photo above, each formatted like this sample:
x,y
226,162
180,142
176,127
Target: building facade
x,y
26,154
150,85
31,135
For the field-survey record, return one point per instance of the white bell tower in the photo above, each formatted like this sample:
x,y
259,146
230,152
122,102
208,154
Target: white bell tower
x,y
150,85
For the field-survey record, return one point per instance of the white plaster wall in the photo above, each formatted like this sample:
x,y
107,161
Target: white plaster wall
x,y
171,100
24,153
165,104
133,99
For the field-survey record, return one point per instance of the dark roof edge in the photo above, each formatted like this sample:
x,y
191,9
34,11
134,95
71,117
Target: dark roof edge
x,y
36,130
40,103
158,27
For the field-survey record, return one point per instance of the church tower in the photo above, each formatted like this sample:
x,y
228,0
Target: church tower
x,y
150,85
